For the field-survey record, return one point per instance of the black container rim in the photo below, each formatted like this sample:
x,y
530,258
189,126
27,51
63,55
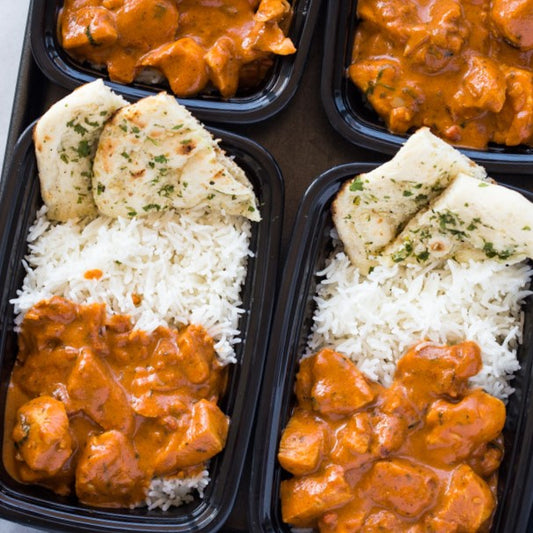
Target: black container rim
x,y
516,502
262,277
274,97
372,134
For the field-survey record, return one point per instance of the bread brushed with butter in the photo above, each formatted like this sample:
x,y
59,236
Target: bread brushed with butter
x,y
471,219
65,140
153,155
371,209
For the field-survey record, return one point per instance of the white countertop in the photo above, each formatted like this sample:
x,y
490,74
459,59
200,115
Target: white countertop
x,y
12,28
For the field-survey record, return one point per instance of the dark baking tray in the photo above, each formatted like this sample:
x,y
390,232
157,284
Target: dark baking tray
x,y
272,96
358,123
301,139
310,246
40,507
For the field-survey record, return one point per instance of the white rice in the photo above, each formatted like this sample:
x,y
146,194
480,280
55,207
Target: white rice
x,y
373,320
186,269
165,493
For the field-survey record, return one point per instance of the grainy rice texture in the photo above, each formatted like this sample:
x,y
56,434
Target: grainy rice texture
x,y
373,320
186,269
165,493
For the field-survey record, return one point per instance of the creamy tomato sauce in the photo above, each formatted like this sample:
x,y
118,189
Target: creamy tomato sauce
x,y
421,455
462,67
97,408
195,44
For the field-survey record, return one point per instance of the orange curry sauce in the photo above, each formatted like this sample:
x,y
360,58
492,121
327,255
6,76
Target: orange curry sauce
x,y
99,408
421,455
462,67
227,44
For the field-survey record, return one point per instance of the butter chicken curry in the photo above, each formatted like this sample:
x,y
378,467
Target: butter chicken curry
x,y
462,67
100,408
194,44
421,455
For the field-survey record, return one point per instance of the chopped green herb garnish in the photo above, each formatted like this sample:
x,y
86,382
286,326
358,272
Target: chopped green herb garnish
x,y
490,252
152,207
357,184
423,256
166,190
89,35
84,149
78,128
92,124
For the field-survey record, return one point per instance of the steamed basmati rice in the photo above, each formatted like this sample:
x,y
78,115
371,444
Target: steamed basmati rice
x,y
373,320
185,269
165,493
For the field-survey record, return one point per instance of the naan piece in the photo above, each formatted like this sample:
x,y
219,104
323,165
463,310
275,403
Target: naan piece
x,y
370,210
471,219
154,155
65,143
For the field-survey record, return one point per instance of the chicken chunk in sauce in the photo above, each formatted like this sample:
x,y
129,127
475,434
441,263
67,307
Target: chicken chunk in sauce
x,y
514,21
308,497
42,437
303,443
98,408
197,439
421,455
108,472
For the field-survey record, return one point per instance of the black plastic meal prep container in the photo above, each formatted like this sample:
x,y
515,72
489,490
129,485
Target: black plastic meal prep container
x,y
253,106
310,246
39,507
354,119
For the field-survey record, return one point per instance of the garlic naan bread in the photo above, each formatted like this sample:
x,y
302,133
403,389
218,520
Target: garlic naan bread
x,y
154,155
370,210
471,219
65,143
